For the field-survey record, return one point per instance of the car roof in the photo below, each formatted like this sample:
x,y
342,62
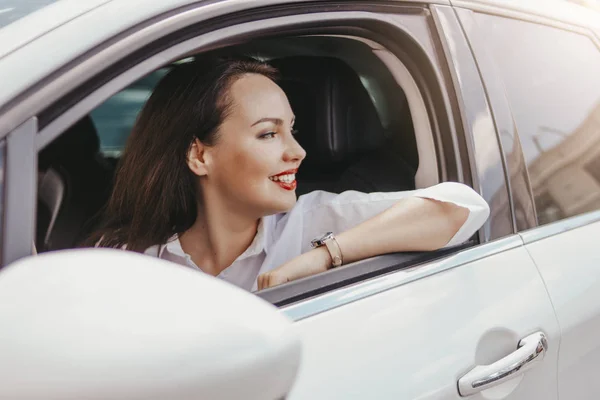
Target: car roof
x,y
51,14
41,42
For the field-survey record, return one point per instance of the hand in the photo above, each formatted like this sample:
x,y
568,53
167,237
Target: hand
x,y
310,263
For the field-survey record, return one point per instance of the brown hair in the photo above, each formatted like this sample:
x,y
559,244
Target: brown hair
x,y
155,193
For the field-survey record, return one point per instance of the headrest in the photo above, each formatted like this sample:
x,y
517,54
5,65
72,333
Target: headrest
x,y
335,116
79,142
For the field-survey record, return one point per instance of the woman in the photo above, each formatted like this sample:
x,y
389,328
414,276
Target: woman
x,y
207,180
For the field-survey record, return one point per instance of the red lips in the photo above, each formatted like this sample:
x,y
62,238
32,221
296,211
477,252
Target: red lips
x,y
288,172
287,185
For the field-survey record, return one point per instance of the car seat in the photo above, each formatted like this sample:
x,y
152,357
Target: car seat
x,y
346,144
73,185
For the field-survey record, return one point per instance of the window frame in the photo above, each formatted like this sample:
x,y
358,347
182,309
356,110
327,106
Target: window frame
x,y
480,131
20,192
521,202
123,70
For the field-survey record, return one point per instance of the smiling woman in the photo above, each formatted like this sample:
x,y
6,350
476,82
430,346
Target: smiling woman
x,y
208,180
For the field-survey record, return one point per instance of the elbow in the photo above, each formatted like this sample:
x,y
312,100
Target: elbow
x,y
454,230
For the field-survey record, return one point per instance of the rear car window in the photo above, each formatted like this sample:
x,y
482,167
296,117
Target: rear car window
x,y
552,82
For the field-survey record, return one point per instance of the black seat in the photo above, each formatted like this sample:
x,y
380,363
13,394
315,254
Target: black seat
x,y
73,185
347,146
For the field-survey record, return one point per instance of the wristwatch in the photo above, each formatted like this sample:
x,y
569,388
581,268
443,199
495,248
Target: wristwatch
x,y
332,245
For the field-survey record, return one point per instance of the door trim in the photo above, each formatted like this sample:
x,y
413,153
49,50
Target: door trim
x,y
558,227
349,294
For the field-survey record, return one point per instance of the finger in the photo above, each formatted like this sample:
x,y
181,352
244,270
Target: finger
x,y
264,281
276,280
260,281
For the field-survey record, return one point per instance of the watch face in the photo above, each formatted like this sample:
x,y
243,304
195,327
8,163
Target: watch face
x,y
320,240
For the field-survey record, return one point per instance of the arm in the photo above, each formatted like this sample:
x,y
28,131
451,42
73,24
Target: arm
x,y
412,224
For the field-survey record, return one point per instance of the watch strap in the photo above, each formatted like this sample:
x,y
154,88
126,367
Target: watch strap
x,y
335,252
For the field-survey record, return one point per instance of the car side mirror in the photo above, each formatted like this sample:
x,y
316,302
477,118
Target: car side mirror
x,y
110,324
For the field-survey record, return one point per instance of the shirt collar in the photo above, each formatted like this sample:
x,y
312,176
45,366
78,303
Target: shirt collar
x,y
173,245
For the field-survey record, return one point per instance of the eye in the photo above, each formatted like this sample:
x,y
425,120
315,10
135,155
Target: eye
x,y
268,135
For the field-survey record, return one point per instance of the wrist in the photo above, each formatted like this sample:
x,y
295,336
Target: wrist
x,y
321,258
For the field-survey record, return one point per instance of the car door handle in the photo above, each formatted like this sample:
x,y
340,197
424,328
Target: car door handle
x,y
530,352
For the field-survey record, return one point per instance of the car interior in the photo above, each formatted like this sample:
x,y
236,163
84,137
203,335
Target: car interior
x,y
352,116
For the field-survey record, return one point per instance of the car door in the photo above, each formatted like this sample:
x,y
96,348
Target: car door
x,y
427,332
550,75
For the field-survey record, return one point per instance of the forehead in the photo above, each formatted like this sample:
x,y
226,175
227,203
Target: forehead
x,y
255,96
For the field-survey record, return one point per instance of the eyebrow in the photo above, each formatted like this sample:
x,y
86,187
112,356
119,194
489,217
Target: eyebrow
x,y
276,121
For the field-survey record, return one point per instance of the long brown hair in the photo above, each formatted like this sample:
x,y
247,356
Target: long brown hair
x,y
155,194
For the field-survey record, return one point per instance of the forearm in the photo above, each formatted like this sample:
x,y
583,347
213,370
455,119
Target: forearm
x,y
412,224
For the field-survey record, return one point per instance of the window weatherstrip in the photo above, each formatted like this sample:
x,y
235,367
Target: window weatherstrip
x,y
349,294
558,227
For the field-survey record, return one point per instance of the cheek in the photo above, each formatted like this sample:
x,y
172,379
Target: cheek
x,y
254,162
248,165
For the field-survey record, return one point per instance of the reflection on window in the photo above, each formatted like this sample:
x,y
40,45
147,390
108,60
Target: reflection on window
x,y
552,82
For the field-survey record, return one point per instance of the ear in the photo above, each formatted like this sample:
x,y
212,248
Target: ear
x,y
196,158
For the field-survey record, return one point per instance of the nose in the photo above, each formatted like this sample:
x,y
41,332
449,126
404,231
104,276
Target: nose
x,y
294,152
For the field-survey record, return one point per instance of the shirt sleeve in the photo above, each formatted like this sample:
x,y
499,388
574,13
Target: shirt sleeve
x,y
324,211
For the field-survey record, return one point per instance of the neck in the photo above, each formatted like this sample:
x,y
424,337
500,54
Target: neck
x,y
218,237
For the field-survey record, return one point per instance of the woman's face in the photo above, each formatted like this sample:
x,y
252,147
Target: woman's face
x,y
253,164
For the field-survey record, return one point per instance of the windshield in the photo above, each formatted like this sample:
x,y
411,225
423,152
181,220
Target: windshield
x,y
12,10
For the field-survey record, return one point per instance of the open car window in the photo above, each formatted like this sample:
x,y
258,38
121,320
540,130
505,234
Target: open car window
x,y
381,155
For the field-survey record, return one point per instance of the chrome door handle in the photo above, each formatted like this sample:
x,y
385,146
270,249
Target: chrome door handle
x,y
530,352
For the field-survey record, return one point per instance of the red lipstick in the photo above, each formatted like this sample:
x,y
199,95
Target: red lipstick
x,y
286,185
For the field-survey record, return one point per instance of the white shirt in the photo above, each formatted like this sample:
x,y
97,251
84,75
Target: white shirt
x,y
281,237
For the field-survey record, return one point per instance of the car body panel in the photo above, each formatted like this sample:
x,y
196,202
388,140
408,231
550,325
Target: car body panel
x,y
569,262
414,341
562,174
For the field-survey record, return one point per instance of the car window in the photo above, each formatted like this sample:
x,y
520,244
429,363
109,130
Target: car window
x,y
553,85
115,117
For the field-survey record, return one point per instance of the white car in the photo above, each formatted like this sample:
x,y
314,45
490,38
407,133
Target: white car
x,y
502,95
